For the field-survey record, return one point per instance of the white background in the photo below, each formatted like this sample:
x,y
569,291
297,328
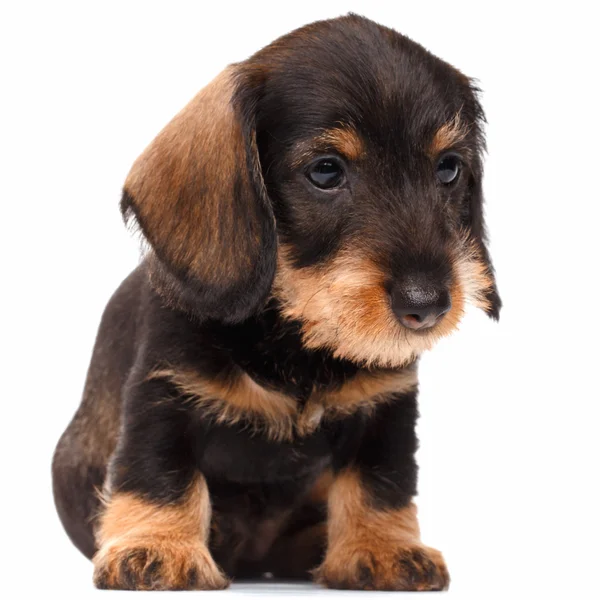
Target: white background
x,y
509,456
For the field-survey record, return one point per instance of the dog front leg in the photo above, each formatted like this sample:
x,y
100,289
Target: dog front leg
x,y
373,533
153,531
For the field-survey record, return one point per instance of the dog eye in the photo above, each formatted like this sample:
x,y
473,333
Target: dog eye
x,y
326,173
448,168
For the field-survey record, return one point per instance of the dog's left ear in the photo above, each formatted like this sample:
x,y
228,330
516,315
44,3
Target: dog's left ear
x,y
198,196
476,225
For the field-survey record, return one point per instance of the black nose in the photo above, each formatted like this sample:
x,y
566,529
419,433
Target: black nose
x,y
420,304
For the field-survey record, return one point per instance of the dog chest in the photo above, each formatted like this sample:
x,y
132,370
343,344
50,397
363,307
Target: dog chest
x,y
235,453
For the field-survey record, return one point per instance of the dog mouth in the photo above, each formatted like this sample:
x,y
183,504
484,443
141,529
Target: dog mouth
x,y
356,311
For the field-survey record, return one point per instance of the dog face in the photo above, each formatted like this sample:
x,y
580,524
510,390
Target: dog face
x,y
339,170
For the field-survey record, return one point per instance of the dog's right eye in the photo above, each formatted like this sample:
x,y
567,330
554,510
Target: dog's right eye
x,y
448,168
326,173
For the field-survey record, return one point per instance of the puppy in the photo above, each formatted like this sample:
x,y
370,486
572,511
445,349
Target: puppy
x,y
314,223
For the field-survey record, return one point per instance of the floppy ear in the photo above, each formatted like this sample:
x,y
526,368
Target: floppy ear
x,y
475,223
198,196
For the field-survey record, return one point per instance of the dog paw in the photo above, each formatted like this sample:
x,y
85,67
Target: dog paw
x,y
158,566
414,568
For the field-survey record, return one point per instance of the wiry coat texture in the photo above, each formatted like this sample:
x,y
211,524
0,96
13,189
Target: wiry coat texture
x,y
251,402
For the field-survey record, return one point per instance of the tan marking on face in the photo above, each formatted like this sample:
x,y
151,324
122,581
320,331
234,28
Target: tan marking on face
x,y
344,307
384,541
473,275
161,546
239,398
343,139
448,135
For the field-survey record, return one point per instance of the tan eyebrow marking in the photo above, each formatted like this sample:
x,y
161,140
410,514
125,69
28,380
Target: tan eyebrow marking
x,y
448,135
344,139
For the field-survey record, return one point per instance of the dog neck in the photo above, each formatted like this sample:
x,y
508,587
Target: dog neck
x,y
269,349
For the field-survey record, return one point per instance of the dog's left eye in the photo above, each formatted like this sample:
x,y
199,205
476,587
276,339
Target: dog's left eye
x,y
326,173
448,168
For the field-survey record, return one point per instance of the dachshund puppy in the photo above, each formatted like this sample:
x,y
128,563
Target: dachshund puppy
x,y
314,223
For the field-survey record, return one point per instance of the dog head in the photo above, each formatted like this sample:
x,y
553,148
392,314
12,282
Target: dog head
x,y
339,169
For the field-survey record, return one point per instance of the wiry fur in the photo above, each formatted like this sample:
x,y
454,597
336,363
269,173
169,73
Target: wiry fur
x,y
344,306
239,399
376,549
157,547
251,402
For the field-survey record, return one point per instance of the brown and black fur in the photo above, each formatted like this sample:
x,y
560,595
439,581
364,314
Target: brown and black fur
x,y
250,407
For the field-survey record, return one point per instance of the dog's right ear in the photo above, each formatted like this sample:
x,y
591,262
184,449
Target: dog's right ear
x,y
198,196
